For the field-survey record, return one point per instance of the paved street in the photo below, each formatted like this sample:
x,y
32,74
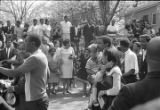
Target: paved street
x,y
73,101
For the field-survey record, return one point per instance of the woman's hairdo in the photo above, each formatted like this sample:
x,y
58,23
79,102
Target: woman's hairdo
x,y
125,42
66,41
111,56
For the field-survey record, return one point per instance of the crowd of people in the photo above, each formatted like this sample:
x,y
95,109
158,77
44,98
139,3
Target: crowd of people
x,y
119,70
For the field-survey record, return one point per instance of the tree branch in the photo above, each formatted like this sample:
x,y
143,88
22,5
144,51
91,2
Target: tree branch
x,y
6,11
113,12
31,5
13,10
23,14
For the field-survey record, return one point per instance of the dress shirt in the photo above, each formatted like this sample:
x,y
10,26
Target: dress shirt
x,y
66,26
130,61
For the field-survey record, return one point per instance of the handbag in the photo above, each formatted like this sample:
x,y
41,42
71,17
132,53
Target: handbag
x,y
107,82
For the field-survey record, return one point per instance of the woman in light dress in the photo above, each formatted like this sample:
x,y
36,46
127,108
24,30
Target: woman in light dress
x,y
53,80
66,55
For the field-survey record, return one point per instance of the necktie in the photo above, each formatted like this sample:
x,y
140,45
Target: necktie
x,y
7,52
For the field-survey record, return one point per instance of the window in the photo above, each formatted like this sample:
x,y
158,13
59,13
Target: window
x,y
154,18
146,18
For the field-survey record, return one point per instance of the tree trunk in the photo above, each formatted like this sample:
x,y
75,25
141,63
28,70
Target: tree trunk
x,y
106,13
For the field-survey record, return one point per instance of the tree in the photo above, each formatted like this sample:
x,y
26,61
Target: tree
x,y
107,12
74,9
19,10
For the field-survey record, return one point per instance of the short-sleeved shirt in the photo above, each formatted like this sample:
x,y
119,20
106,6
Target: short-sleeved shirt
x,y
36,80
18,31
66,26
33,29
92,65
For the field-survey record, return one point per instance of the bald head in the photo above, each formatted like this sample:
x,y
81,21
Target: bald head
x,y
153,54
153,49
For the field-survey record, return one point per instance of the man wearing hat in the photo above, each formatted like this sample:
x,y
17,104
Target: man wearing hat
x,y
146,90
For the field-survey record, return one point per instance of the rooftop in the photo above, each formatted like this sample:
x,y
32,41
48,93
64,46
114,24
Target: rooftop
x,y
143,7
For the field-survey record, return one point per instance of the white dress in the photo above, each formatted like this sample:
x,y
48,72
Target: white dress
x,y
67,64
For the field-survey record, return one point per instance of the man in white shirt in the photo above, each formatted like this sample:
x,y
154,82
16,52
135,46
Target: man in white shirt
x,y
36,73
130,62
47,30
34,28
41,29
112,29
18,31
65,27
48,27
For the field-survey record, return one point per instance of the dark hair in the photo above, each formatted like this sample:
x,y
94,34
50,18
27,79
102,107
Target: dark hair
x,y
134,40
125,42
107,40
34,19
41,19
55,42
26,25
19,22
34,38
146,36
51,49
65,16
110,56
66,41
138,44
46,20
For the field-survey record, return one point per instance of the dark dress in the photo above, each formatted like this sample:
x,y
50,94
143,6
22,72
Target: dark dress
x,y
82,74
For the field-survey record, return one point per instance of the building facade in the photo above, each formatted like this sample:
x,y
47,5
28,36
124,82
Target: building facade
x,y
149,12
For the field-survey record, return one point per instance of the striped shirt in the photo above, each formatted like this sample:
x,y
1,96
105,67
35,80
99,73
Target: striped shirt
x,y
92,65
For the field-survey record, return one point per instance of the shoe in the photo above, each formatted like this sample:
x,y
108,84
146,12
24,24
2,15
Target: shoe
x,y
95,103
68,92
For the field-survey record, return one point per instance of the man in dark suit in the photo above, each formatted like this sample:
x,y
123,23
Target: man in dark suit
x,y
5,54
8,29
88,33
75,34
143,91
144,39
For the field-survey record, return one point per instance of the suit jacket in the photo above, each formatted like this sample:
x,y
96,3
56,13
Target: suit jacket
x,y
3,54
1,37
88,32
143,69
8,30
73,35
138,93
